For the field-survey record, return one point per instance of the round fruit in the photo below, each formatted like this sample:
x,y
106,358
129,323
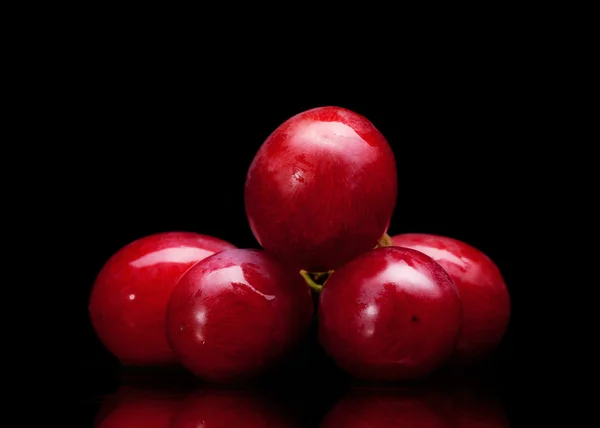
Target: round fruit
x,y
321,189
384,408
390,314
130,295
235,314
485,298
227,409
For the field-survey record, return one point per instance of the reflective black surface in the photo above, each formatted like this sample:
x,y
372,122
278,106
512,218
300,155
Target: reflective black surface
x,y
162,398
308,390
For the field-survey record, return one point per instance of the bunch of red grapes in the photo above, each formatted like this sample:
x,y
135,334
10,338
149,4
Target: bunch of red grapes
x,y
319,197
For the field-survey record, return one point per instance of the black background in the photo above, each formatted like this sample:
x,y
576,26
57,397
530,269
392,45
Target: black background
x,y
167,148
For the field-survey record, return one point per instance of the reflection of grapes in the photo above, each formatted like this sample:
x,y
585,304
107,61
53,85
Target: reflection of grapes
x,y
474,408
227,409
381,409
458,405
137,408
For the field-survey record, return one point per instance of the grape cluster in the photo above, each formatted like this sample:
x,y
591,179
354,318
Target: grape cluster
x,y
319,198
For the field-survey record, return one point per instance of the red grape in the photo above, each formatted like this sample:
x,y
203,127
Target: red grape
x,y
390,314
129,297
233,315
321,189
485,298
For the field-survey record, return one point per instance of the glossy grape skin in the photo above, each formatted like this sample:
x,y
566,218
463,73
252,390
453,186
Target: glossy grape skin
x,y
129,297
390,314
321,189
485,298
236,314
